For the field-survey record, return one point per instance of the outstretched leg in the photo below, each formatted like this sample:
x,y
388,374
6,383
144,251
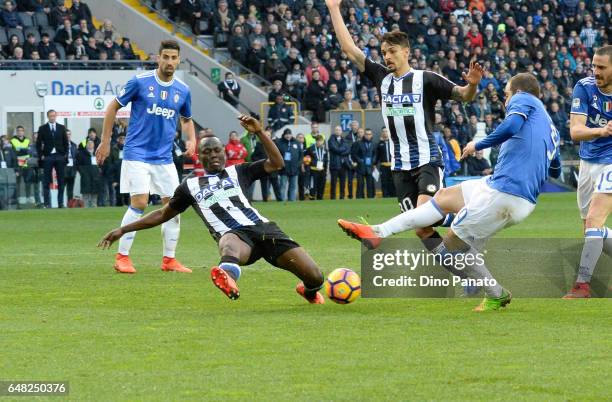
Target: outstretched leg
x,y
300,263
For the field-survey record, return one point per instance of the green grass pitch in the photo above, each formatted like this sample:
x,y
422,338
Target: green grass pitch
x,y
65,315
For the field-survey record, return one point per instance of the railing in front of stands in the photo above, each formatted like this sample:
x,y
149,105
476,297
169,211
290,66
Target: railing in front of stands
x,y
77,65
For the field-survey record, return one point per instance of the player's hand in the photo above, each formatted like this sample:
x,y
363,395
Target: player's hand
x,y
607,130
190,148
110,238
333,3
474,74
102,153
469,150
251,124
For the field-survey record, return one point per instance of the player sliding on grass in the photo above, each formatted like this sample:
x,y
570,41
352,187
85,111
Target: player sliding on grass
x,y
243,235
528,154
591,124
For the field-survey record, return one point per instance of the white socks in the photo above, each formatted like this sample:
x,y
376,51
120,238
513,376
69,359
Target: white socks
x,y
125,243
480,271
591,251
420,217
170,235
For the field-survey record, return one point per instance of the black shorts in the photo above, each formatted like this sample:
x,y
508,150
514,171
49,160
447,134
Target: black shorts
x,y
409,184
266,240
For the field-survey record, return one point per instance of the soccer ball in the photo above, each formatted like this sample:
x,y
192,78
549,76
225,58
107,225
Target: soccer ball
x,y
343,286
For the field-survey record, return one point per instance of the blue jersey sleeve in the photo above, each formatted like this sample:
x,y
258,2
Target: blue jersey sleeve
x,y
580,100
511,125
129,92
186,108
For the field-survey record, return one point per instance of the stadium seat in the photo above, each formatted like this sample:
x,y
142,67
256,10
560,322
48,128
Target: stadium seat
x,y
49,30
27,19
3,37
14,31
41,19
34,31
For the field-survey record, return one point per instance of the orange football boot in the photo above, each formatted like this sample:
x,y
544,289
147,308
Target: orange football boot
x,y
317,299
579,291
123,264
364,233
224,282
173,265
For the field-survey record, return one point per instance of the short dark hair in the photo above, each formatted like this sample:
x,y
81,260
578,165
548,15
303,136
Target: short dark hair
x,y
19,127
169,44
605,51
50,111
397,38
525,82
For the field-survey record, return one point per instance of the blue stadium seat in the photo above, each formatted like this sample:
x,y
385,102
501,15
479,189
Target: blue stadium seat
x,y
41,19
14,31
28,22
3,37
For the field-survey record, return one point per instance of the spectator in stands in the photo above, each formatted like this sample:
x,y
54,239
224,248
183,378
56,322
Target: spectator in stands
x,y
349,103
481,107
256,59
90,174
292,156
383,160
315,93
229,90
18,56
86,31
92,135
107,31
274,69
191,12
10,16
109,47
77,48
45,47
223,19
296,81
277,89
280,114
30,46
560,121
461,131
9,48
319,160
478,165
80,11
70,171
316,66
339,151
127,53
58,14
8,158
91,50
333,98
238,45
364,154
235,152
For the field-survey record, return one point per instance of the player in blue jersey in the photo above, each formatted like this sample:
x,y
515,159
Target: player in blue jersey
x,y
591,124
528,155
159,100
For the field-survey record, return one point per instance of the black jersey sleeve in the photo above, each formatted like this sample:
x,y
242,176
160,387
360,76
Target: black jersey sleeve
x,y
250,172
182,199
438,86
375,72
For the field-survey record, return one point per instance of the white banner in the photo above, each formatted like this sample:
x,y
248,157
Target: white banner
x,y
82,107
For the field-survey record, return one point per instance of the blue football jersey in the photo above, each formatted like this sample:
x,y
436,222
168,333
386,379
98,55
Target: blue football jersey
x,y
597,107
524,159
156,107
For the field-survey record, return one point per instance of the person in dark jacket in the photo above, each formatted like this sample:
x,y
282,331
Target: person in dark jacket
x,y
304,172
339,151
319,157
178,154
292,156
280,114
71,170
363,153
52,145
354,134
383,158
90,174
8,156
258,154
122,198
229,90
478,165
316,92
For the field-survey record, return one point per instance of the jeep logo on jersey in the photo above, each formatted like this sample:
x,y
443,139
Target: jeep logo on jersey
x,y
159,111
402,98
163,95
598,120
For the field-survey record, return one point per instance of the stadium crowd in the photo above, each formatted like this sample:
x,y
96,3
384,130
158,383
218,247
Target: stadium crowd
x,y
46,30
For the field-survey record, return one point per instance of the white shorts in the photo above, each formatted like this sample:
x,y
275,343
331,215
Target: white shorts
x,y
486,212
593,178
145,178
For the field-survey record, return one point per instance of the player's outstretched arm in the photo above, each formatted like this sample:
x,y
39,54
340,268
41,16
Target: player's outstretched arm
x,y
275,160
467,93
344,37
107,131
511,125
580,132
150,220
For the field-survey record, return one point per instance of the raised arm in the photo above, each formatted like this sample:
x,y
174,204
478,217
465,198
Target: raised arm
x,y
150,220
467,93
510,126
580,132
275,160
344,37
107,131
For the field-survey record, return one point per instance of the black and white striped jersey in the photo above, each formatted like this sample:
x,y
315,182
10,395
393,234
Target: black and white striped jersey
x,y
408,108
219,199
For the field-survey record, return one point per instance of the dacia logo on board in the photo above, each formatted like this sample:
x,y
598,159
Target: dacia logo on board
x,y
159,111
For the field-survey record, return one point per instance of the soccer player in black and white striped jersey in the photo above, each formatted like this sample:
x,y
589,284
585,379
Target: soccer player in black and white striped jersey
x,y
408,100
242,233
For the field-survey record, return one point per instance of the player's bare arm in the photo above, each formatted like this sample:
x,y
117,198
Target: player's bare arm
x,y
107,131
344,37
275,160
150,220
467,93
189,128
580,132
